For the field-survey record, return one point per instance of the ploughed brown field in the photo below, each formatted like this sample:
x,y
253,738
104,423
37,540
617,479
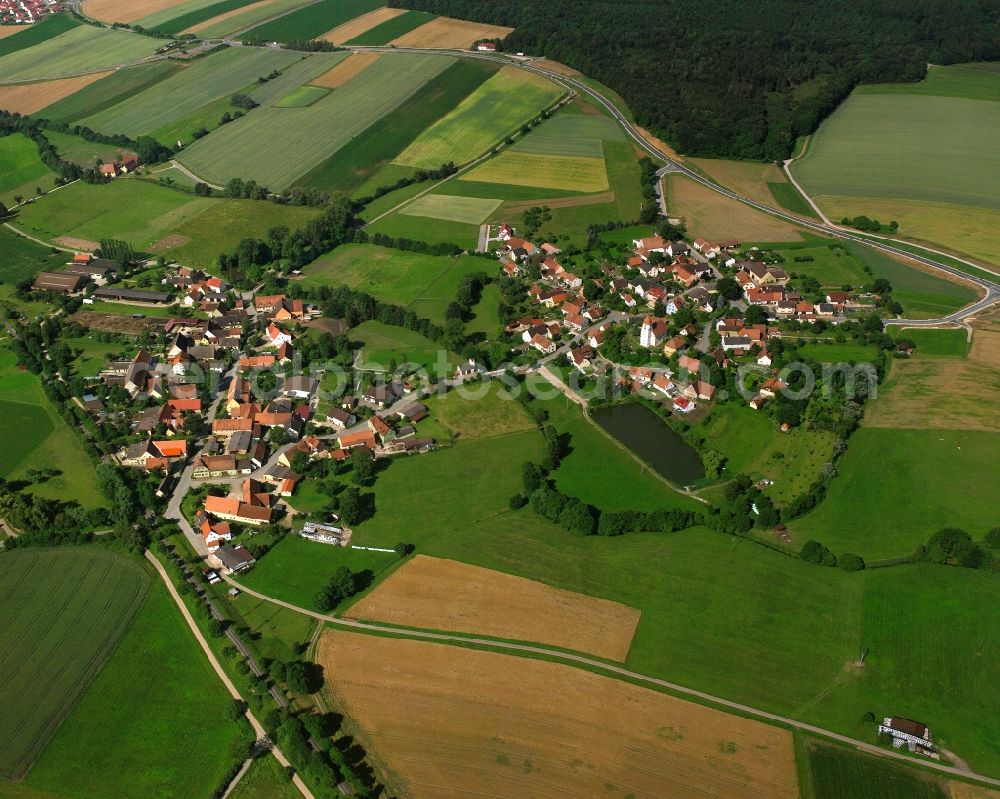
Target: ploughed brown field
x,y
349,68
442,594
447,33
444,721
363,24
27,98
713,216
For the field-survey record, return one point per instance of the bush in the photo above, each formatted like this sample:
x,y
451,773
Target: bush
x,y
815,552
850,562
517,501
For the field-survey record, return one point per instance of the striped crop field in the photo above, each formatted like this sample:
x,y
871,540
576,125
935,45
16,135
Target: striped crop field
x,y
242,17
13,39
108,91
498,107
312,21
82,49
308,136
393,28
64,610
453,209
577,135
182,16
208,79
586,175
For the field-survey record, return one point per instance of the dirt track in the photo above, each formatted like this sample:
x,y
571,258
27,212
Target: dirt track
x,y
442,594
463,723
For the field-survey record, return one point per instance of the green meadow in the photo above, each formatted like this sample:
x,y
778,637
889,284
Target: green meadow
x,y
382,344
84,48
36,34
302,97
837,772
429,229
23,259
108,91
21,169
934,343
393,28
450,208
310,22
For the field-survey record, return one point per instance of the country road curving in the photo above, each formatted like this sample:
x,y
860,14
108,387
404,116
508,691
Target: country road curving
x,y
611,669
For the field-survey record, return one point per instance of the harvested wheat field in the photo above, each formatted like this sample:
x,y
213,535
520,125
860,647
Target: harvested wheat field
x,y
447,33
345,70
748,178
125,10
452,722
442,594
713,216
985,347
557,67
27,98
362,24
10,30
962,790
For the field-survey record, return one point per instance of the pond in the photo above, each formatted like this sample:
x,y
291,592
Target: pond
x,y
646,434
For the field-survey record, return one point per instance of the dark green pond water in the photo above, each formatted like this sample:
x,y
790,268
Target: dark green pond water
x,y
643,432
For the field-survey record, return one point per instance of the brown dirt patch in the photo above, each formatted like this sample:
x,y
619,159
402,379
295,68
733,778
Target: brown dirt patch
x,y
119,11
228,15
447,33
658,143
78,244
117,323
713,216
557,67
748,178
451,722
349,68
10,30
953,393
170,242
363,24
27,98
962,790
442,594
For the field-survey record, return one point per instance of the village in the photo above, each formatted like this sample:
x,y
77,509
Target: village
x,y
26,12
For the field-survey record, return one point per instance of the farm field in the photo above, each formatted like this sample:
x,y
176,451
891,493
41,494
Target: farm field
x,y
890,496
452,209
82,49
51,445
21,169
181,16
236,18
364,163
938,382
382,344
143,715
572,135
206,80
302,97
346,70
751,179
832,352
108,91
22,38
310,22
355,27
392,28
437,594
487,412
830,263
65,610
712,216
837,772
496,719
23,259
27,98
545,171
312,565
500,106
80,151
115,11
447,33
429,229
239,148
424,283
874,156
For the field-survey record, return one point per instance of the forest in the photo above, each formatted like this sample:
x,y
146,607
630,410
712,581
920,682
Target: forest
x,y
739,78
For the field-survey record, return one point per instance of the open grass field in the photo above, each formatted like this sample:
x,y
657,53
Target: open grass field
x,y
296,569
893,490
29,448
346,70
82,49
80,151
922,295
238,15
544,171
754,446
65,610
713,216
571,135
21,169
977,81
353,28
266,779
27,98
108,91
383,344
833,352
24,37
952,342
450,208
242,148
310,22
438,594
448,721
206,80
489,412
790,198
831,264
392,28
447,33
364,163
499,106
135,210
486,318
938,383
837,773
302,97
278,633
424,283
141,706
23,259
425,228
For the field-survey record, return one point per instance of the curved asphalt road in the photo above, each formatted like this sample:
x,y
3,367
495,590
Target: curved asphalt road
x,y
610,668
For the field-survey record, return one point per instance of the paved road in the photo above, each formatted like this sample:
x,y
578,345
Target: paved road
x,y
610,668
257,726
